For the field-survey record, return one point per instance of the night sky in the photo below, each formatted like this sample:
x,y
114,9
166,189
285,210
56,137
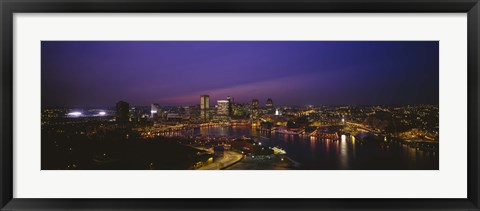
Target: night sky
x,y
100,73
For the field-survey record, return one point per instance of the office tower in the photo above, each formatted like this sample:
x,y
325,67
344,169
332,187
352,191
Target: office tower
x,y
240,110
230,106
269,103
254,104
254,110
204,107
205,102
222,107
155,110
122,112
269,106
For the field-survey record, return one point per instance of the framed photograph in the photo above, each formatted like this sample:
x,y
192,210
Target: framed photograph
x,y
252,105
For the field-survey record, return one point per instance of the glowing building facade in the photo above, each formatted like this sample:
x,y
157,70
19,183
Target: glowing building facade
x,y
204,107
155,110
230,106
254,104
254,110
204,102
222,107
269,108
269,104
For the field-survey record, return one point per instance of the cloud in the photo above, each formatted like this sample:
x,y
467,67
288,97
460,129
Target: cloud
x,y
245,92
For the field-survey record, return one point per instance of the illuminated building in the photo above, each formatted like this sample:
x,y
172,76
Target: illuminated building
x,y
136,115
74,114
230,106
240,110
269,106
204,107
254,110
277,112
269,103
205,102
254,104
222,107
121,114
155,110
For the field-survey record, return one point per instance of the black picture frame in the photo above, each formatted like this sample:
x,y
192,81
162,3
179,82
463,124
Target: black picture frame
x,y
9,7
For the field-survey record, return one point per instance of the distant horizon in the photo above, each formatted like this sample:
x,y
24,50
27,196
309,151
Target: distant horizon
x,y
212,105
296,73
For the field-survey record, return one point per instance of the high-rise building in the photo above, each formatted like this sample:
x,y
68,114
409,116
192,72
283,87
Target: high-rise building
x,y
230,106
155,110
240,110
254,104
269,103
204,102
204,107
254,110
278,112
269,108
121,115
222,107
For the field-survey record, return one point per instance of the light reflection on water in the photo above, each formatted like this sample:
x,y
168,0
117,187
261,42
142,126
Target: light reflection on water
x,y
346,153
343,152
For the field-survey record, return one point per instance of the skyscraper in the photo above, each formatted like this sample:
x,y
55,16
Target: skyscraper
x,y
254,110
254,104
269,106
155,110
204,102
269,103
204,107
121,115
222,107
230,106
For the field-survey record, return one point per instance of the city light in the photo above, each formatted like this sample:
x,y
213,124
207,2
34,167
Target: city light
x,y
74,114
244,110
223,139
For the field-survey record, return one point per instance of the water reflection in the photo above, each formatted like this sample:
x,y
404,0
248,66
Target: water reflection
x,y
343,152
313,144
352,138
346,153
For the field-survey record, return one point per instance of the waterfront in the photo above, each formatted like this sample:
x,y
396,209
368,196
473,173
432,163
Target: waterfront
x,y
324,154
240,105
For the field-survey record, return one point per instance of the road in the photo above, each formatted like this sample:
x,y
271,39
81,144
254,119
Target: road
x,y
228,159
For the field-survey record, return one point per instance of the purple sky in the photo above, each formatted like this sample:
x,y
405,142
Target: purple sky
x,y
100,73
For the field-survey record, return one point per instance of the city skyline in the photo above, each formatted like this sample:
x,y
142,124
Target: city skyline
x,y
240,105
262,103
176,73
